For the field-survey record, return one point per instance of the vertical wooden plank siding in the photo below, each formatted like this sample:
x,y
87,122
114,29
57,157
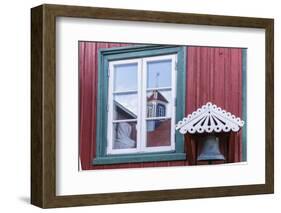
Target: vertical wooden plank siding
x,y
213,74
88,70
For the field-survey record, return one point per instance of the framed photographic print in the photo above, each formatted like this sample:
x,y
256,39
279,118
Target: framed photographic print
x,y
136,106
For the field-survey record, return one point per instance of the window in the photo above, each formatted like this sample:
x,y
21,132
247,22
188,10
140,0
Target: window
x,y
139,89
161,110
137,86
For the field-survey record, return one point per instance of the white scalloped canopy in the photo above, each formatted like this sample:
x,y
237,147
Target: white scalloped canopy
x,y
209,118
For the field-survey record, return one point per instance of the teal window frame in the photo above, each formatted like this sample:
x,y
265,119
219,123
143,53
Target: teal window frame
x,y
244,103
132,52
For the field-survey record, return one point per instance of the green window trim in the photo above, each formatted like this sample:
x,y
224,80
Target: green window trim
x,y
132,52
142,157
244,104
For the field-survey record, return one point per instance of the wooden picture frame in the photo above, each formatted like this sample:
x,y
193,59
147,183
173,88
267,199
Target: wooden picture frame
x,y
43,105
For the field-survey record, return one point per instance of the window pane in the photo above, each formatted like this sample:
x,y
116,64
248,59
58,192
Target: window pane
x,y
159,74
125,106
124,135
158,133
125,77
159,103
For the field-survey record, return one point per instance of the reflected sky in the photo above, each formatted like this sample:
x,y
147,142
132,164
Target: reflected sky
x,y
159,74
125,77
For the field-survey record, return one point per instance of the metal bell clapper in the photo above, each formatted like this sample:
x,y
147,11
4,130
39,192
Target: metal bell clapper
x,y
210,150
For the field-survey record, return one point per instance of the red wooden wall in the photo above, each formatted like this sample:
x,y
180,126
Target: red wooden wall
x,y
213,74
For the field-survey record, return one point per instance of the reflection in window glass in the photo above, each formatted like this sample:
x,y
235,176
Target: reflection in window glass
x,y
125,77
148,79
125,106
158,133
160,110
159,74
124,135
159,103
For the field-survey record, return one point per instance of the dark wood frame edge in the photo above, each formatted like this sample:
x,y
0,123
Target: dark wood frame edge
x,y
43,105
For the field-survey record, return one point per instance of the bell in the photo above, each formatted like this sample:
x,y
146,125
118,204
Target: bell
x,y
210,150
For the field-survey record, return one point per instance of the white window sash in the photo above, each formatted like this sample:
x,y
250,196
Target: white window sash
x,y
141,115
110,149
146,60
